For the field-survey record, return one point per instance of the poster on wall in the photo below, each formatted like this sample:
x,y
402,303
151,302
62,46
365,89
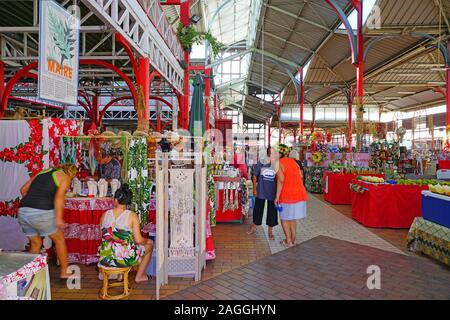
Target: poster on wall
x,y
58,54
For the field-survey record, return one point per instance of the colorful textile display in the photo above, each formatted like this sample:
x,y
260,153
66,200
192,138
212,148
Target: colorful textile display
x,y
314,179
384,155
26,148
431,239
137,168
21,156
211,195
56,129
24,276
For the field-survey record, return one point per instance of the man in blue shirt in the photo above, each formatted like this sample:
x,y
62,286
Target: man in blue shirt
x,y
264,191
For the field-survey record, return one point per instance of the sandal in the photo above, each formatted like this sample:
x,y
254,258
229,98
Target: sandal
x,y
251,231
271,237
285,244
148,278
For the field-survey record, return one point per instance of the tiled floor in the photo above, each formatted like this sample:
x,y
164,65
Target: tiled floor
x,y
322,219
327,268
396,237
321,266
234,248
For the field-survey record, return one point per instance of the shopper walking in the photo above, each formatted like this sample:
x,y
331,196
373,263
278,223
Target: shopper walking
x,y
42,208
122,243
291,194
264,191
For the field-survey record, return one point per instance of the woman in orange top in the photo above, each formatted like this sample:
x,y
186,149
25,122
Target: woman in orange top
x,y
291,194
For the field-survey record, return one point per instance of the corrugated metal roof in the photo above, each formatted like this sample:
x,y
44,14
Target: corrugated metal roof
x,y
395,59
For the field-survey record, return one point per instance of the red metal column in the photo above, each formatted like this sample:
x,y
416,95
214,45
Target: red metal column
x,y
95,113
185,9
359,71
302,99
143,79
350,116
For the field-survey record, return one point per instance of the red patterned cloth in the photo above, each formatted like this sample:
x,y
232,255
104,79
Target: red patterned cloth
x,y
27,270
337,186
82,232
56,129
387,205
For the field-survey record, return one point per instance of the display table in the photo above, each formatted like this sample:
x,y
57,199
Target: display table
x,y
227,215
387,205
82,231
337,189
431,239
436,208
444,164
24,276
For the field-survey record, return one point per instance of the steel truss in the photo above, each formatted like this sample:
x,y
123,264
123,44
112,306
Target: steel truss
x,y
144,26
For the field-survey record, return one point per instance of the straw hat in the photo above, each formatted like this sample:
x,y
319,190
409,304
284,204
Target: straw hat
x,y
139,133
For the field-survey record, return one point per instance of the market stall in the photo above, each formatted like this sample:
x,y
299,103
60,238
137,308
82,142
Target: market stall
x,y
24,276
382,205
228,199
337,186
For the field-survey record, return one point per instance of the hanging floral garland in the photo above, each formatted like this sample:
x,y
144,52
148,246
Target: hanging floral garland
x,y
211,195
31,152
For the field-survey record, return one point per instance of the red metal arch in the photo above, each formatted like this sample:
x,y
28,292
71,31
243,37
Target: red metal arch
x,y
109,104
25,72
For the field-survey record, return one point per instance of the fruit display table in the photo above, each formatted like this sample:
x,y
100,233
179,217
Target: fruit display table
x,y
444,164
431,239
387,205
337,186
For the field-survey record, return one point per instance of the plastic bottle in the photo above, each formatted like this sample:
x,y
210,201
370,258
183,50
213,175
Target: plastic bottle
x,y
279,208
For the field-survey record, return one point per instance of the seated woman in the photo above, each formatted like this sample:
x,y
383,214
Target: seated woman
x,y
122,243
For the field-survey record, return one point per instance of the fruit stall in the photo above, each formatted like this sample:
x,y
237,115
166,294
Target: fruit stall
x,y
383,203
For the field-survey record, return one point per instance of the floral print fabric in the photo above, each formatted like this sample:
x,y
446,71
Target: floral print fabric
x,y
118,248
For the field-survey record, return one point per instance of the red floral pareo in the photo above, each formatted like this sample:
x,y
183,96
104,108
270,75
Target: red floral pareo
x,y
32,153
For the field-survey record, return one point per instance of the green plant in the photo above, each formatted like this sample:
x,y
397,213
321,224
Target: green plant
x,y
188,36
63,37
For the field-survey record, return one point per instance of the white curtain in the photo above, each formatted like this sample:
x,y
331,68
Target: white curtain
x,y
13,132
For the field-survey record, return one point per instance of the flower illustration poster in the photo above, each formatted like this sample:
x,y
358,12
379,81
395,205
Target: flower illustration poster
x,y
58,54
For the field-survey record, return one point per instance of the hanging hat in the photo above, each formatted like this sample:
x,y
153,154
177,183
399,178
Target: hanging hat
x,y
139,133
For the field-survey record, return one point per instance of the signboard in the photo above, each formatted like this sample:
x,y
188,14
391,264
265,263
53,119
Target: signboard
x,y
58,54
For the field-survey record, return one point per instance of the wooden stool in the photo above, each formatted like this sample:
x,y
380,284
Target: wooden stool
x,y
107,271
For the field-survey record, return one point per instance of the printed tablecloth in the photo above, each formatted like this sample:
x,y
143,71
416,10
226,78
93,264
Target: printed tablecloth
x,y
82,232
431,239
387,205
337,186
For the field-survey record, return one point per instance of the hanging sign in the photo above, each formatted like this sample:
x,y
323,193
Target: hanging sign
x,y
58,54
